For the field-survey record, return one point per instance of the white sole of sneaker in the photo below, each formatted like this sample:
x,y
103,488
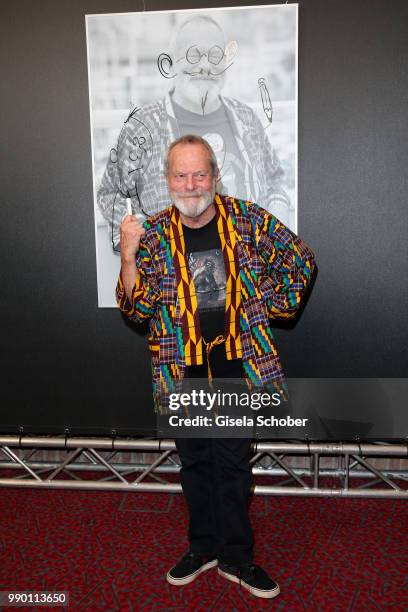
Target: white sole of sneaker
x,y
191,577
248,587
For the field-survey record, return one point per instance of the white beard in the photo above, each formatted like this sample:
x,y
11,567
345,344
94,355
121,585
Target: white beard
x,y
196,208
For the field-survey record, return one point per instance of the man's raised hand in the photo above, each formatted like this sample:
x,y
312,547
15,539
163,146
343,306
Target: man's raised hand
x,y
131,232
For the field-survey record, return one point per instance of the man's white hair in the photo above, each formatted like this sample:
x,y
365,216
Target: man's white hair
x,y
194,140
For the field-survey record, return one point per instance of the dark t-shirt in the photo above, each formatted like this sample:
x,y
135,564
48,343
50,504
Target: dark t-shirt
x,y
206,264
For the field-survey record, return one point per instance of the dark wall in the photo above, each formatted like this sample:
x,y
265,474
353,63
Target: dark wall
x,y
67,363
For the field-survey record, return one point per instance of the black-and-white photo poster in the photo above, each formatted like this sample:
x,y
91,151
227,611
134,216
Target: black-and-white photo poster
x,y
228,75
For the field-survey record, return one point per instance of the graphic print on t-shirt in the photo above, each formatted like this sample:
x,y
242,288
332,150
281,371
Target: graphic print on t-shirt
x,y
230,162
208,273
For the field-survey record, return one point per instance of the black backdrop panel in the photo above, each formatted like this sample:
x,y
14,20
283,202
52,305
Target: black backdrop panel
x,y
66,363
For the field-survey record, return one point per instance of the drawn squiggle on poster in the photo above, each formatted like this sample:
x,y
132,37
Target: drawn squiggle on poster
x,y
139,158
164,64
266,101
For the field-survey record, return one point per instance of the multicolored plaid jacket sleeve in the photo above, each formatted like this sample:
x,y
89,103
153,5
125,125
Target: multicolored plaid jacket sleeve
x,y
146,293
288,264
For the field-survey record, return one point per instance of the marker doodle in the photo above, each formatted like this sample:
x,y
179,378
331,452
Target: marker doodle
x,y
137,161
204,101
266,99
141,152
164,64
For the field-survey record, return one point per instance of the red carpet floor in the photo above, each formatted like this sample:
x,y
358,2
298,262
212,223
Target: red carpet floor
x,y
111,551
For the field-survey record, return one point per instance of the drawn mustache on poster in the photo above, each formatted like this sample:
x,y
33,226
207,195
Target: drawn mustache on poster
x,y
193,55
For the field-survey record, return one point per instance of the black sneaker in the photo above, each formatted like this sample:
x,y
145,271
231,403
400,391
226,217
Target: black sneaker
x,y
253,578
189,567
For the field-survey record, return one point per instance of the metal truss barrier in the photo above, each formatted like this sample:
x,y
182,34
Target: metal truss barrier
x,y
100,464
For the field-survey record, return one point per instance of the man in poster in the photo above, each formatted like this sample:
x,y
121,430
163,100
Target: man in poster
x,y
266,271
196,67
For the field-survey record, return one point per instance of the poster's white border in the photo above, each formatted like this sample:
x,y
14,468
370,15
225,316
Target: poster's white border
x,y
206,10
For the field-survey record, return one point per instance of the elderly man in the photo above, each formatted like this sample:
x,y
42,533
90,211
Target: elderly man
x,y
196,66
265,270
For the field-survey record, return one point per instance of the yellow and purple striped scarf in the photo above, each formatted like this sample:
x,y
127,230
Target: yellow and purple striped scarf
x,y
190,322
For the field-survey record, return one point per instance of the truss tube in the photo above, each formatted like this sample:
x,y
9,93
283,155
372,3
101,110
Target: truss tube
x,y
346,464
174,469
62,465
378,473
20,462
153,487
296,448
108,466
152,467
316,466
289,471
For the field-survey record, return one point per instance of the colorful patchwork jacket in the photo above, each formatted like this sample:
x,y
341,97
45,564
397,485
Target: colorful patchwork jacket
x,y
267,267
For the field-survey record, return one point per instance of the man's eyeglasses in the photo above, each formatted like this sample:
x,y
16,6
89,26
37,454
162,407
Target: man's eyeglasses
x,y
194,55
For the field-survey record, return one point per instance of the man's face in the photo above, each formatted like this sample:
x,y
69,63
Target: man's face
x,y
190,179
200,62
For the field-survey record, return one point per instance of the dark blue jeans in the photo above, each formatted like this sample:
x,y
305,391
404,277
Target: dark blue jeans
x,y
216,479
